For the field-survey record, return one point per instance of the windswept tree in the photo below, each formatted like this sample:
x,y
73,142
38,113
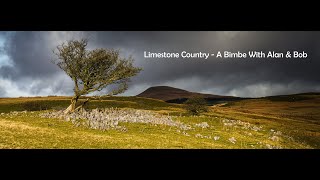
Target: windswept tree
x,y
93,70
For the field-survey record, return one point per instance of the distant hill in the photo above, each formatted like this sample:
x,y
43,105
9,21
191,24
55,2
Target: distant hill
x,y
175,95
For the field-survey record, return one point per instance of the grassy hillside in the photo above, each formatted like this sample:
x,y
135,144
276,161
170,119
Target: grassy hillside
x,y
255,123
297,115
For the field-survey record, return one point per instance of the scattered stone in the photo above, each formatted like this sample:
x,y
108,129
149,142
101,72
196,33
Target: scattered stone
x,y
279,133
273,147
274,138
255,128
14,112
227,124
186,134
202,125
232,140
105,119
201,136
216,138
240,124
184,127
269,146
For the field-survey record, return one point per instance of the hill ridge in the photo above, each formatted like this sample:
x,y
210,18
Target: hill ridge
x,y
168,93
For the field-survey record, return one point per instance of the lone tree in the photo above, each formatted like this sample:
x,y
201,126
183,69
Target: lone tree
x,y
195,105
93,70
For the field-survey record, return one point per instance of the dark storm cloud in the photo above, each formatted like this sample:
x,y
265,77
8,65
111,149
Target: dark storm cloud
x,y
33,71
31,54
224,75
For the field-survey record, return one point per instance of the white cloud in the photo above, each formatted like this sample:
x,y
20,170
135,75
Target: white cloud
x,y
11,89
60,84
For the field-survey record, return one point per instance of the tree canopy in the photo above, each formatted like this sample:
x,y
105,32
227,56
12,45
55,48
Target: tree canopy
x,y
94,70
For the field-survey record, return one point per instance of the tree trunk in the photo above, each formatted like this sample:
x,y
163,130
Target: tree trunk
x,y
72,106
82,105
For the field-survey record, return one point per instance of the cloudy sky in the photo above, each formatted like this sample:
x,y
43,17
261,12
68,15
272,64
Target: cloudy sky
x,y
26,69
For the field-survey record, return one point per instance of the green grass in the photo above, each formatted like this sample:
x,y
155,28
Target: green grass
x,y
48,103
299,119
28,130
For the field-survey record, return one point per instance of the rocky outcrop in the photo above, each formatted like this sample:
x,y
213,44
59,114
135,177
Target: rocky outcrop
x,y
105,119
